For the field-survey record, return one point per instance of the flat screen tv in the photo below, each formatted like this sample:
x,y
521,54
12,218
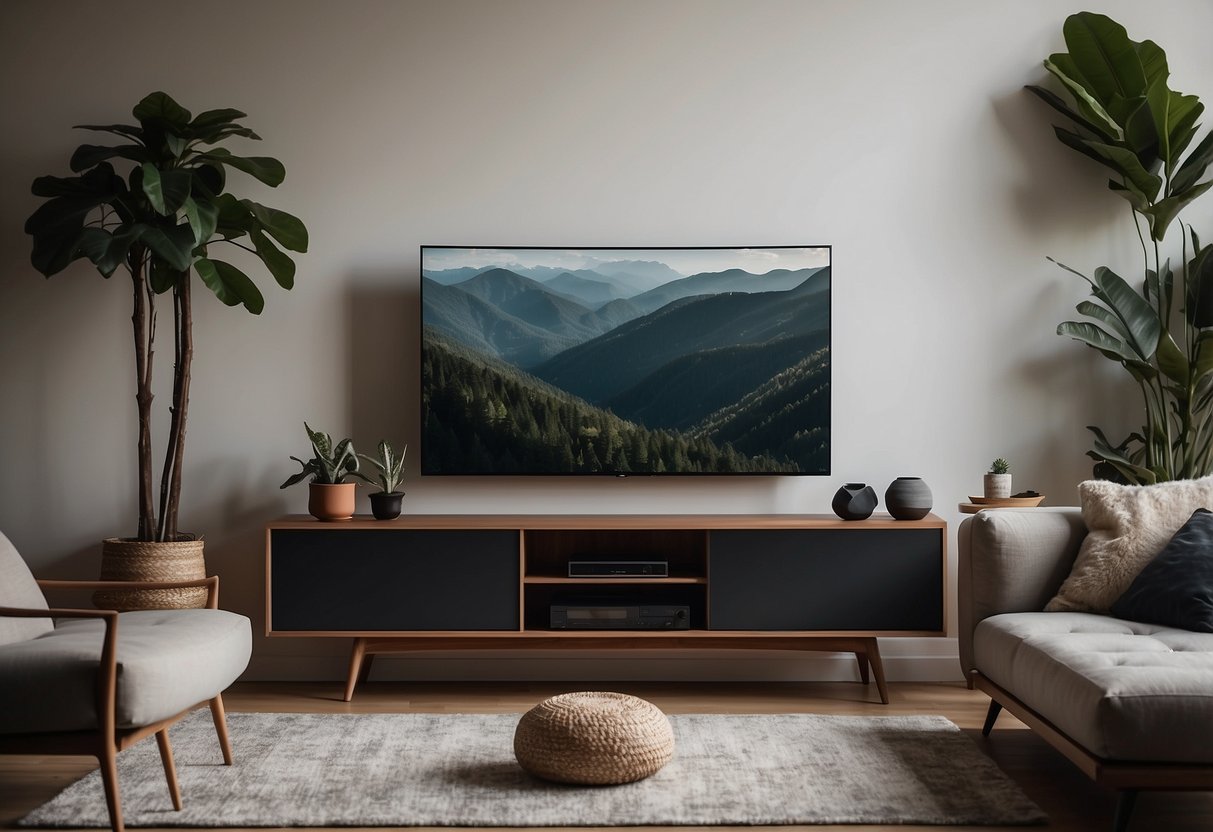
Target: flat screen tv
x,y
636,361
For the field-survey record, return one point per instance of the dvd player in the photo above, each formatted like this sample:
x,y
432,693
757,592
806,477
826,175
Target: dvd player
x,y
620,617
619,568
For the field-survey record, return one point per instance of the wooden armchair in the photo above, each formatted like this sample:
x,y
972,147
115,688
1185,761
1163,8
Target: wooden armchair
x,y
79,681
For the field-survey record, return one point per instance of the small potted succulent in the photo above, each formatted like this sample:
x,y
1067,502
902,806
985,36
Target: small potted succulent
x,y
998,480
385,503
330,497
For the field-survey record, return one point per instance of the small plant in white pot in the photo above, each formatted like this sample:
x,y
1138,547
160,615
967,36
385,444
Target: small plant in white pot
x,y
330,497
998,480
385,503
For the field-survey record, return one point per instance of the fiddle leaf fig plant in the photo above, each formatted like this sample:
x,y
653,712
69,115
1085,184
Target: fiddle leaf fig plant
x,y
166,216
330,464
1126,118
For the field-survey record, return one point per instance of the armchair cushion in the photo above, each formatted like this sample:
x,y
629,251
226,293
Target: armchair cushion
x,y
168,661
1176,588
19,589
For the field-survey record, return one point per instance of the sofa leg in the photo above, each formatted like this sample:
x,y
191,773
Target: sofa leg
x,y
991,716
1125,801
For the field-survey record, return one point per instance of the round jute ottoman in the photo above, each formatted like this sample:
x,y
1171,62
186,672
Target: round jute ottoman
x,y
593,738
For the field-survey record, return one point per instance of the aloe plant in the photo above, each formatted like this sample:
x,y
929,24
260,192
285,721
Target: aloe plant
x,y
1130,121
330,464
1000,466
162,221
389,468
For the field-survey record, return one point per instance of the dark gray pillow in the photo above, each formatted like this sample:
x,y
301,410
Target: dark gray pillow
x,y
1176,588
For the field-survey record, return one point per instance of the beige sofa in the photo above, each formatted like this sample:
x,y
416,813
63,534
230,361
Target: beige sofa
x,y
1130,704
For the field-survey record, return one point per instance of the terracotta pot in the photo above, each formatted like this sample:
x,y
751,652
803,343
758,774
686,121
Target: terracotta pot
x,y
331,501
134,560
385,505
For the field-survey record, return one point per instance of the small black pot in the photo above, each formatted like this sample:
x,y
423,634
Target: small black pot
x,y
854,501
386,506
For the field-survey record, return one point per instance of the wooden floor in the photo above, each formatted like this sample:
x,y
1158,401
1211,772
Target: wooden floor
x,y
1073,803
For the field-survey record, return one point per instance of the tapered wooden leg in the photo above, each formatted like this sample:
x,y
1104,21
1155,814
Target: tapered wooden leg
x,y
862,658
170,770
109,778
356,656
220,718
368,659
873,654
991,715
1124,810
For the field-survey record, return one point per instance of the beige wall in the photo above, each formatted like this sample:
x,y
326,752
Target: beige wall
x,y
897,132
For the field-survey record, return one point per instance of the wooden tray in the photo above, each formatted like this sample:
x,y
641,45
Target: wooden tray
x,y
1007,502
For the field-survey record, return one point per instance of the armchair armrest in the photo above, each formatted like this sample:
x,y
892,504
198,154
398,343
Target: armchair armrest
x,y
107,672
211,583
1012,560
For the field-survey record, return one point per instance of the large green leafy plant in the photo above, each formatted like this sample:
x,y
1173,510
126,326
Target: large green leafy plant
x,y
1127,118
161,222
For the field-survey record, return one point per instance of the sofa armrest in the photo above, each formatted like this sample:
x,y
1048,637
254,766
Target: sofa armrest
x,y
1012,560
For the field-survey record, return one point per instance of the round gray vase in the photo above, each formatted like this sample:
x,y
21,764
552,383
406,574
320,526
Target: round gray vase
x,y
908,498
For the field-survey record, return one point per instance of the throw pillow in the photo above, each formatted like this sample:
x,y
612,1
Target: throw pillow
x,y
1176,588
1127,525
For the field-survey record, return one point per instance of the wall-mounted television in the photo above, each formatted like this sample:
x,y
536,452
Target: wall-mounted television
x,y
625,361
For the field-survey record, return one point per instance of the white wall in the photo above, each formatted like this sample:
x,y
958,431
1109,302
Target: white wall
x,y
897,132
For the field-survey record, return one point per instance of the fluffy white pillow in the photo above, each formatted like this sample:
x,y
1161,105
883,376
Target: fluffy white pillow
x,y
1127,525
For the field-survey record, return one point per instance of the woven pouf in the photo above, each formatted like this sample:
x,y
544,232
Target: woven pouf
x,y
593,738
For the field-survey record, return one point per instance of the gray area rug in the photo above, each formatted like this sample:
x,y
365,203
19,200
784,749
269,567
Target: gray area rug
x,y
459,770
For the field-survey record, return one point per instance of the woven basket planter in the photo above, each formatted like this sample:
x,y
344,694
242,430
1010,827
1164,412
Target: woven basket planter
x,y
133,560
594,738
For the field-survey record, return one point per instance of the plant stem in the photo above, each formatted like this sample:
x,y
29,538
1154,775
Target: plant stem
x,y
170,483
143,321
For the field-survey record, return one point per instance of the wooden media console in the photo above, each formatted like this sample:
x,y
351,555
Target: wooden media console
x,y
477,582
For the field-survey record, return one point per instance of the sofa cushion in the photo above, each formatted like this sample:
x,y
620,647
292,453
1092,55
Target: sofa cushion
x,y
1176,588
18,589
1127,526
1122,690
168,661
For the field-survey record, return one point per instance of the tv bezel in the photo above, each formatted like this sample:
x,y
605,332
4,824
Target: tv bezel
x,y
620,474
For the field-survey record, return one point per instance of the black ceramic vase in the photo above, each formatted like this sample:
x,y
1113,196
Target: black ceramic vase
x,y
908,498
386,506
854,501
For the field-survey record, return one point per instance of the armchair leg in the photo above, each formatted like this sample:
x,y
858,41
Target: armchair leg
x,y
1125,801
108,757
220,718
991,715
170,770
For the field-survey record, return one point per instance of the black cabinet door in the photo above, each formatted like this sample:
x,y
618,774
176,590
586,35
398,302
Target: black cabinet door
x,y
396,579
826,579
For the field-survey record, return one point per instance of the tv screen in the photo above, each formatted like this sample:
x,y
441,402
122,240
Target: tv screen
x,y
666,361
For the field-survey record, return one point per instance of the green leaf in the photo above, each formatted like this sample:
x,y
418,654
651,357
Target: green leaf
x,y
203,217
177,145
212,118
161,277
1116,457
1200,287
160,107
1105,56
1171,361
1153,62
1061,68
1204,360
1170,112
106,251
1139,131
262,168
1127,190
210,179
229,284
1164,211
88,155
128,131
1094,310
1076,141
283,227
175,246
167,190
1137,315
1055,101
279,264
1126,163
1093,336
1193,168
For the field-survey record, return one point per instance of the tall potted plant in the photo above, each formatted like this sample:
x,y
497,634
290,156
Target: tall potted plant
x,y
163,221
1126,118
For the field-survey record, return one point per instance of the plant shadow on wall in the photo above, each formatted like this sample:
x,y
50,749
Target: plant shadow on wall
x,y
162,222
1126,118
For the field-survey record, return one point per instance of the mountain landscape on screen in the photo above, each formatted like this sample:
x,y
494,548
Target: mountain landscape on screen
x,y
625,361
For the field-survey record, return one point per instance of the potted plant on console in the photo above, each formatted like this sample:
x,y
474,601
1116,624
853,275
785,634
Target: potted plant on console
x,y
330,497
385,503
162,221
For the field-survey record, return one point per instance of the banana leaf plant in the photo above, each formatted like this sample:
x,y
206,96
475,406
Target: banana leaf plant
x,y
1125,117
163,220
